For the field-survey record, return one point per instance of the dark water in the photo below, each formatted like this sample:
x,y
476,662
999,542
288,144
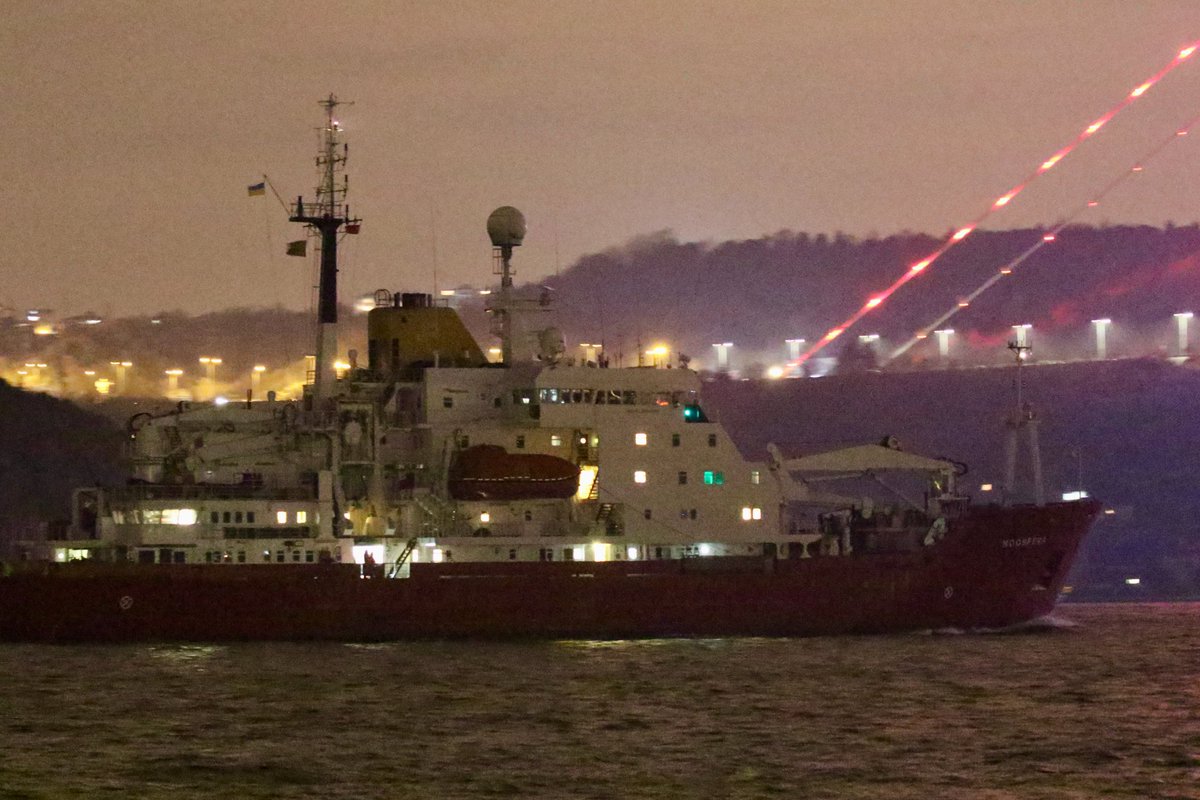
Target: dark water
x,y
1104,704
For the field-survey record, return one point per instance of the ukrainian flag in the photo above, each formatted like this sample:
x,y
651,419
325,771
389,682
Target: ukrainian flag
x,y
255,189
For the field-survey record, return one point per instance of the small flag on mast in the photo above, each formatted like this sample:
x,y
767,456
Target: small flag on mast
x,y
256,189
299,248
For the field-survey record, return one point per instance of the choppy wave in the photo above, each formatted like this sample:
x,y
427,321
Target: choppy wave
x,y
1111,710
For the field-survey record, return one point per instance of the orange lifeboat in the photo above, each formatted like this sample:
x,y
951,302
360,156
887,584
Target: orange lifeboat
x,y
489,472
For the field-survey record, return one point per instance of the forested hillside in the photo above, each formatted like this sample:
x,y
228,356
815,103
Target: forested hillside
x,y
757,292
47,448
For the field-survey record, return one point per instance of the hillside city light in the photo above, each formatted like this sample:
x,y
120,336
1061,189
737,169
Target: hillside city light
x,y
794,348
1101,343
1023,333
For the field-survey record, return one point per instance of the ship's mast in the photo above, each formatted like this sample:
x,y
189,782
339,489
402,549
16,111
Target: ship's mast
x,y
1022,417
506,228
326,215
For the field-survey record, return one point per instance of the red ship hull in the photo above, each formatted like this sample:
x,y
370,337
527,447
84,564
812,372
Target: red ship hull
x,y
997,567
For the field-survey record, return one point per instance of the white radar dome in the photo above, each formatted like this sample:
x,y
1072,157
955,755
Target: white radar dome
x,y
506,227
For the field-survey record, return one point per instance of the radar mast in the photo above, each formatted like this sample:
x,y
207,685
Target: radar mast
x,y
506,229
325,216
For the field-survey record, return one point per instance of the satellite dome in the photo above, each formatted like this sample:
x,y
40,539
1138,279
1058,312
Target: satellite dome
x,y
506,227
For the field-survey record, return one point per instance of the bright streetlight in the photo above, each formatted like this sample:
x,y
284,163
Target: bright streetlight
x,y
659,355
210,373
1101,344
723,355
943,337
210,366
590,351
1181,320
121,366
256,377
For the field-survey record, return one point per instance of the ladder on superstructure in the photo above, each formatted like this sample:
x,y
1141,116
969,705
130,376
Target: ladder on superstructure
x,y
400,561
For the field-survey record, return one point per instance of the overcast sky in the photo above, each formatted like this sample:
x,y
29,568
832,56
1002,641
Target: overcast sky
x,y
133,129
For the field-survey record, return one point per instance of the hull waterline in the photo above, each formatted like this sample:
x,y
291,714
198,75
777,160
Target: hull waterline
x,y
998,567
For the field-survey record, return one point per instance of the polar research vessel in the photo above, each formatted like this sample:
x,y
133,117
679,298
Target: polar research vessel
x,y
431,493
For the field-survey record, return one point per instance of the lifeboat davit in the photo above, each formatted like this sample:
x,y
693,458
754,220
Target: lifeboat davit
x,y
489,472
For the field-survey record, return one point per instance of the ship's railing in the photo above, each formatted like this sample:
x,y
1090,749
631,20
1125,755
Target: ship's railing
x,y
202,491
